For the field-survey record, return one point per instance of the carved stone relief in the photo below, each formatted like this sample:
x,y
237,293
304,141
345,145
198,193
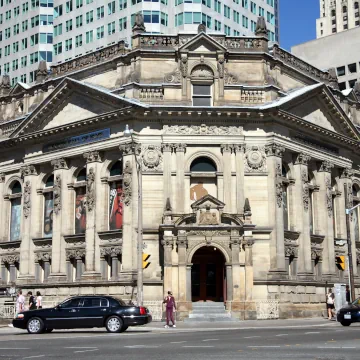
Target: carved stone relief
x,y
42,256
329,204
75,254
184,65
173,77
110,251
202,130
10,259
92,156
27,199
151,158
255,159
90,190
229,78
220,65
127,181
28,170
57,194
59,164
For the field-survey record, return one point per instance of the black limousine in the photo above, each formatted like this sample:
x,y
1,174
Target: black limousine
x,y
84,312
349,313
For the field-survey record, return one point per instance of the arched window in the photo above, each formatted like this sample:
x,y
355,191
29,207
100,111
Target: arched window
x,y
202,79
115,197
333,13
285,198
48,206
80,202
356,216
203,178
344,9
15,219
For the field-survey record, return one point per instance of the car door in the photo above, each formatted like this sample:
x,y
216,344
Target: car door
x,y
93,311
64,316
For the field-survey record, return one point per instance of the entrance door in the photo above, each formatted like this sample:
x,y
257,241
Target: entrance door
x,y
207,275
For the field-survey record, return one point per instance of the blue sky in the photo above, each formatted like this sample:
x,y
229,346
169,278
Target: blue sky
x,y
297,21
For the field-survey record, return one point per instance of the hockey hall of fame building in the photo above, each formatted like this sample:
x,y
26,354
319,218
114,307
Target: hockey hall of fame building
x,y
248,156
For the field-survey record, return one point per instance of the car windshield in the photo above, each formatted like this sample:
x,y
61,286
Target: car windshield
x,y
356,302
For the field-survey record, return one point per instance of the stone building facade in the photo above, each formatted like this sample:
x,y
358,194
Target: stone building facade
x,y
246,153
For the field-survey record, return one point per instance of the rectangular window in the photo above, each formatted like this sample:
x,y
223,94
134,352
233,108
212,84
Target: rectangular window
x,y
34,58
253,7
122,4
206,2
17,11
7,50
68,45
15,218
79,3
46,19
253,26
68,6
245,4
46,38
202,95
90,16
227,30
226,11
111,7
79,21
15,65
352,68
16,29
236,17
122,24
68,25
34,39
35,4
25,8
111,28
8,15
15,47
58,30
217,25
236,33
89,36
206,20
58,11
24,44
217,6
58,48
7,33
24,61
164,19
341,71
115,206
78,41
23,78
179,19
100,32
80,212
100,12
245,22
261,11
35,21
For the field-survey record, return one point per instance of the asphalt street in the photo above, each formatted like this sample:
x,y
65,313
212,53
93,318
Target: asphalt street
x,y
300,339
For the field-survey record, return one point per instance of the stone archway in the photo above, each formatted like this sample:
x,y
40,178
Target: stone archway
x,y
208,275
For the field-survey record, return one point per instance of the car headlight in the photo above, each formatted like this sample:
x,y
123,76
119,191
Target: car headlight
x,y
20,316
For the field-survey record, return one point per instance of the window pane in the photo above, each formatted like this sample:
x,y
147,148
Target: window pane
x,y
203,164
48,214
115,206
201,90
188,18
80,211
198,101
15,219
71,303
91,302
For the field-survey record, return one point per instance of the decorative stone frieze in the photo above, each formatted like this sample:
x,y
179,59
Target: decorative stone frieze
x,y
151,158
93,156
202,130
57,194
326,166
90,190
42,256
274,150
239,148
60,163
27,199
112,251
329,203
184,65
255,159
28,170
127,182
75,254
10,259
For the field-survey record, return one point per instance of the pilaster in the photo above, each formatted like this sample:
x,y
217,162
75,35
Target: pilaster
x,y
180,177
167,151
2,209
233,279
302,215
226,151
274,154
181,243
239,150
167,244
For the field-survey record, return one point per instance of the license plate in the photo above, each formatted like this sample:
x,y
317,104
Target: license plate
x,y
347,316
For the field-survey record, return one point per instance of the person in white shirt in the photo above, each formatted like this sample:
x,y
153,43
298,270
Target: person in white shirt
x,y
38,300
20,302
330,303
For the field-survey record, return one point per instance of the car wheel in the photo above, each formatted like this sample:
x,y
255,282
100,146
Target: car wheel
x,y
114,324
48,330
345,323
124,328
35,326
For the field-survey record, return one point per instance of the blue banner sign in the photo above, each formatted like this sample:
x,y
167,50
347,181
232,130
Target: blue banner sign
x,y
78,140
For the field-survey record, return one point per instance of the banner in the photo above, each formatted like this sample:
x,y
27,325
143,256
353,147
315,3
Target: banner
x,y
15,219
48,214
80,211
115,207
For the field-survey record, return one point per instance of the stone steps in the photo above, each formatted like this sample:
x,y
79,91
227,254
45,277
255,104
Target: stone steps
x,y
209,312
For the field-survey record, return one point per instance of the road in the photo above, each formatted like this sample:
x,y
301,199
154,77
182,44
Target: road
x,y
300,339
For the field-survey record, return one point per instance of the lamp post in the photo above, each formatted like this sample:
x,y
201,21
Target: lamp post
x,y
351,270
129,133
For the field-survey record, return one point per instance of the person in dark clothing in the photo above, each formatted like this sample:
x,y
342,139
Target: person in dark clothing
x,y
348,294
32,301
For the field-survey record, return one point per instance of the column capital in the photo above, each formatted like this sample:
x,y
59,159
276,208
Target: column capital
x,y
274,150
302,159
180,147
130,148
182,241
167,241
93,156
167,147
226,148
2,178
239,148
28,170
60,163
325,166
346,173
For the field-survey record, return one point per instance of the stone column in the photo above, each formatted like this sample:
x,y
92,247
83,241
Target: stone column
x,y
302,217
3,275
167,150
249,272
188,283
182,245
93,205
46,269
229,283
37,271
115,252
69,270
58,266
103,263
180,178
130,200
325,216
235,292
274,154
79,267
167,243
27,258
2,209
226,151
12,272
240,176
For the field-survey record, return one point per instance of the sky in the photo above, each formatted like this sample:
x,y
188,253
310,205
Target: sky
x,y
297,21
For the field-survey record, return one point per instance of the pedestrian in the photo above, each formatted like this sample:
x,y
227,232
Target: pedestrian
x,y
330,300
32,301
170,307
20,302
347,294
38,300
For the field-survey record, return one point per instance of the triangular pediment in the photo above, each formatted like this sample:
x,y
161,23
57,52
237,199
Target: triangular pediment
x,y
70,102
208,202
320,107
19,88
202,43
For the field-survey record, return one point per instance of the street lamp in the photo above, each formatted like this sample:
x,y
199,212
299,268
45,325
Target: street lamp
x,y
351,270
129,133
